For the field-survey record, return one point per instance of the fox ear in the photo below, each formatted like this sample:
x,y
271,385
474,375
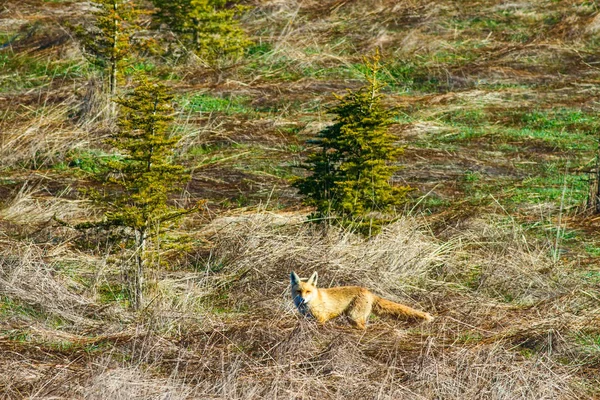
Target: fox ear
x,y
313,279
294,278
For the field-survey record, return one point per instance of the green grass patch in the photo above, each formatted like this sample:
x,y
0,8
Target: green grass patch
x,y
87,161
553,140
144,67
467,117
541,189
17,335
75,271
465,134
563,119
285,69
207,103
430,204
407,75
25,72
589,342
10,307
67,346
470,337
25,336
593,250
259,49
508,148
113,292
564,129
504,25
592,277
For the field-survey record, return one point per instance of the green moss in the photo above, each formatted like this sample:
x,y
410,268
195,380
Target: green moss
x,y
527,353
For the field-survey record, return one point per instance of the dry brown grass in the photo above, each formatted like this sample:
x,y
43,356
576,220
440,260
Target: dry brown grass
x,y
512,322
40,140
27,278
231,330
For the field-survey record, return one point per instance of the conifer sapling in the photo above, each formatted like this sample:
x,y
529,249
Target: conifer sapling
x,y
140,182
108,44
208,27
350,173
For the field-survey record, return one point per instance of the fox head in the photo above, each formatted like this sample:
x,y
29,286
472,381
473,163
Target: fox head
x,y
303,292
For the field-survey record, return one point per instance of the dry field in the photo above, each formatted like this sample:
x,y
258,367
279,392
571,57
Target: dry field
x,y
497,108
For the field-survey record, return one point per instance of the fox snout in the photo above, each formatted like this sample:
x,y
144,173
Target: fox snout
x,y
303,292
300,304
300,301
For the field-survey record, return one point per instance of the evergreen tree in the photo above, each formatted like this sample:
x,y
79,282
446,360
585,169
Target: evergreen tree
x,y
139,183
146,174
108,43
350,174
208,27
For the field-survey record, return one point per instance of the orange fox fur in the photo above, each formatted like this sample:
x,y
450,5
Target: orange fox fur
x,y
354,301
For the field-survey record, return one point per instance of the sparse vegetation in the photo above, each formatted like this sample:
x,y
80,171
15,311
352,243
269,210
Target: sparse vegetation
x,y
495,105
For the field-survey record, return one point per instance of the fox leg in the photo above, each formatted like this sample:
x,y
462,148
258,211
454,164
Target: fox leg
x,y
359,310
321,319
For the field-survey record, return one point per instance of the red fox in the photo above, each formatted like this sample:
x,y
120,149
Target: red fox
x,y
354,301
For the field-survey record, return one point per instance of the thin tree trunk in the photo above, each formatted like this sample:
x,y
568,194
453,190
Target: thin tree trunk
x,y
114,60
196,28
137,294
595,192
593,203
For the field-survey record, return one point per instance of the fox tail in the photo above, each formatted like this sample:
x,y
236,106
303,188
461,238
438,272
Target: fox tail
x,y
383,307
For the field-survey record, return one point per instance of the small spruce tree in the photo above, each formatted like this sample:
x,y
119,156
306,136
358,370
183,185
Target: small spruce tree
x,y
350,174
146,174
108,43
139,182
208,27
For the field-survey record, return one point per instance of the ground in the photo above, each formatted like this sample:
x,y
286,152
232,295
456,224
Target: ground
x,y
496,106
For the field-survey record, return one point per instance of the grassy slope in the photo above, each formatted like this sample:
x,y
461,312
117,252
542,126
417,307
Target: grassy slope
x,y
497,108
